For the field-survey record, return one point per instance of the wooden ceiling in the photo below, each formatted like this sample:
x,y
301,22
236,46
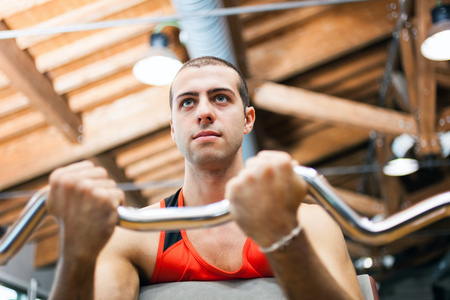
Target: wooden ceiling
x,y
314,73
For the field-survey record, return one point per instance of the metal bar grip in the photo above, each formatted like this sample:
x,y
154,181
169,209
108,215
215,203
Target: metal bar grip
x,y
355,226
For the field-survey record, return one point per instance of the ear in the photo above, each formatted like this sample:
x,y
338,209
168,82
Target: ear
x,y
249,119
172,130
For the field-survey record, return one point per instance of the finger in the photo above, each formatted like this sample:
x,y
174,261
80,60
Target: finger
x,y
91,172
103,182
78,166
117,197
112,196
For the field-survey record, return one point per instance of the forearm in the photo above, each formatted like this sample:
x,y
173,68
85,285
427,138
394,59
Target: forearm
x,y
301,273
73,280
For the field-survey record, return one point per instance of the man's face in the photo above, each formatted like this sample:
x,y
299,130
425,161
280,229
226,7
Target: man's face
x,y
207,121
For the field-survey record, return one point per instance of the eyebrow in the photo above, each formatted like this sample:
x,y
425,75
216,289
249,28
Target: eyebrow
x,y
209,92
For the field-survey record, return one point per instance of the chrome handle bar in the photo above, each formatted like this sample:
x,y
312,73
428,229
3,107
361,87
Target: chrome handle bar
x,y
355,226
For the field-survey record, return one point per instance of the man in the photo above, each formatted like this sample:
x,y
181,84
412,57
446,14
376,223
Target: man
x,y
209,117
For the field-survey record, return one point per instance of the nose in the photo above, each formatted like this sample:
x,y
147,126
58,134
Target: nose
x,y
205,112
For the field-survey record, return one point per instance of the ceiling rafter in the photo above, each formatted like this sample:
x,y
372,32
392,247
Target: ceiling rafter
x,y
10,8
105,160
98,70
88,13
312,149
332,74
106,90
88,45
4,80
141,149
13,103
119,122
366,205
256,31
349,28
21,123
38,88
315,106
428,142
408,54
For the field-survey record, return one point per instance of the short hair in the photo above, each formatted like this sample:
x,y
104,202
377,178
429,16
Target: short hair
x,y
215,61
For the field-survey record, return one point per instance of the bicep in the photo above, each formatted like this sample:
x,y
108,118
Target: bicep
x,y
329,244
115,276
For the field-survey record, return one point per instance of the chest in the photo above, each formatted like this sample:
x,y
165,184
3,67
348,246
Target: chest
x,y
220,248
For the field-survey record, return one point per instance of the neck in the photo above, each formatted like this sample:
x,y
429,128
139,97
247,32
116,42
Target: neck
x,y
204,186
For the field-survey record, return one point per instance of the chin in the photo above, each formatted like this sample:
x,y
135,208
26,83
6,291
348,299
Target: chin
x,y
211,158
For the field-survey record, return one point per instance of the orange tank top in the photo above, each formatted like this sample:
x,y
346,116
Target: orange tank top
x,y
177,259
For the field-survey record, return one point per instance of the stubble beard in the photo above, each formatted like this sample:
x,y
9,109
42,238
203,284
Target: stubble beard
x,y
209,158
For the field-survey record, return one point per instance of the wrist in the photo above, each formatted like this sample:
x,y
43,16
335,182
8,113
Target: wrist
x,y
283,242
276,229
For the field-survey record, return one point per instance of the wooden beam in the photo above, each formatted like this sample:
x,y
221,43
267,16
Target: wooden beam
x,y
8,205
443,79
427,192
10,216
444,120
21,123
389,186
314,148
99,70
443,73
46,251
408,54
4,80
120,122
273,24
371,76
106,90
156,197
94,11
336,72
132,198
136,151
38,88
10,8
172,169
339,31
366,205
428,142
47,228
314,106
156,161
88,45
12,104
401,91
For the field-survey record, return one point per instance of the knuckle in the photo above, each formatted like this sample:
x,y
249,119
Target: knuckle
x,y
56,175
101,171
84,185
66,181
111,183
87,163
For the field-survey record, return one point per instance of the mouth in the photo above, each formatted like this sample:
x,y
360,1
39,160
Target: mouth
x,y
206,134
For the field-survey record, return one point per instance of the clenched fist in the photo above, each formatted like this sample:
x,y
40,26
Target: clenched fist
x,y
265,197
84,201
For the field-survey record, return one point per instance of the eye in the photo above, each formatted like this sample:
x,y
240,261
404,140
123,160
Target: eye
x,y
187,103
221,99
